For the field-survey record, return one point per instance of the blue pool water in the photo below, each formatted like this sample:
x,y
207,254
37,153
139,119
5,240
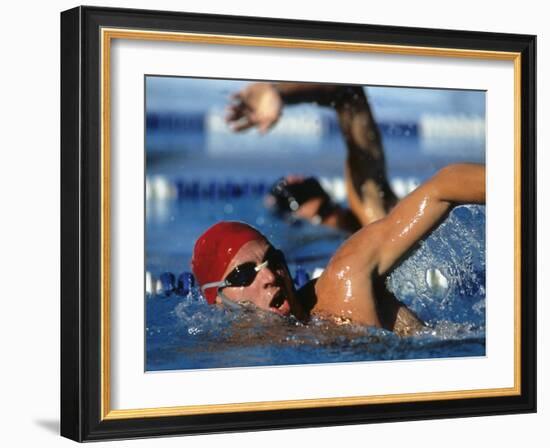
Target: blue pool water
x,y
183,332
187,141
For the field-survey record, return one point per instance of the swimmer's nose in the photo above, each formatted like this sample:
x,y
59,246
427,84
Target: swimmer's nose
x,y
267,276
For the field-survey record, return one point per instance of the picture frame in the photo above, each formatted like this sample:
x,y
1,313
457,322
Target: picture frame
x,y
87,34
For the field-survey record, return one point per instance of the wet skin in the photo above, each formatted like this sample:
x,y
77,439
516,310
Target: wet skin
x,y
348,299
370,196
352,287
272,288
353,284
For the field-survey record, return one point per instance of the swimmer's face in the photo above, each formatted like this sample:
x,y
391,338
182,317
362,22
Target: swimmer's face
x,y
272,288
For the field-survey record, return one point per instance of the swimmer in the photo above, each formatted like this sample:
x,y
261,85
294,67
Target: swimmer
x,y
235,264
370,196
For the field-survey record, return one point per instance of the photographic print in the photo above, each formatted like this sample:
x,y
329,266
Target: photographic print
x,y
292,223
254,208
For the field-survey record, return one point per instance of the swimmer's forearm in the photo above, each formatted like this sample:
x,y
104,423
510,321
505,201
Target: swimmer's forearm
x,y
369,193
417,214
298,92
460,184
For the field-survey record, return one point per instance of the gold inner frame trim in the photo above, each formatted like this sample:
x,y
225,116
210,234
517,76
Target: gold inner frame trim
x,y
107,34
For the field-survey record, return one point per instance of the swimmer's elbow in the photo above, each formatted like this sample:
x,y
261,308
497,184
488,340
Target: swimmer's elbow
x,y
439,186
459,183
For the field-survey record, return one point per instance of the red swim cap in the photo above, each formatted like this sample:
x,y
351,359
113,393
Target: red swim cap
x,y
215,249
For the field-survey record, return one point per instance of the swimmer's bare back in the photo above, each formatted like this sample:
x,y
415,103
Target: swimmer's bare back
x,y
352,287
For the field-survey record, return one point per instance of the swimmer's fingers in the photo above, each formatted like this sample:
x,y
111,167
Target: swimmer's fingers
x,y
245,123
252,119
242,99
239,118
235,112
239,103
242,125
232,117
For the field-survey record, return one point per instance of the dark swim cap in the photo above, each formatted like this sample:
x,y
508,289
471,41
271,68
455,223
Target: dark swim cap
x,y
215,249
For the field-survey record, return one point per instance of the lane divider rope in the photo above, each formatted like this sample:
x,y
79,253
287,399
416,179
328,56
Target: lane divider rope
x,y
165,188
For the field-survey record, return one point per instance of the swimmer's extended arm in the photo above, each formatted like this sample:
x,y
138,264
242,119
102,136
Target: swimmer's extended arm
x,y
260,104
376,248
301,92
369,194
421,210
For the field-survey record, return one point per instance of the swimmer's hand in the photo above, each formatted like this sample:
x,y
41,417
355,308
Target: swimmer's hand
x,y
257,105
407,323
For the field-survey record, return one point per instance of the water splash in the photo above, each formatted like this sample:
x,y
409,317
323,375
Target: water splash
x,y
444,277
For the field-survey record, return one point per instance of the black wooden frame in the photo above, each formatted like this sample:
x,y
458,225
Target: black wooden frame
x,y
81,214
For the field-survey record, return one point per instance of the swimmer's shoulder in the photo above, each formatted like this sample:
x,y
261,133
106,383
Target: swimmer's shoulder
x,y
345,288
354,261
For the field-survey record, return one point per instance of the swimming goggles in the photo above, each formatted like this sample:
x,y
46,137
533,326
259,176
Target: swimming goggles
x,y
244,274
